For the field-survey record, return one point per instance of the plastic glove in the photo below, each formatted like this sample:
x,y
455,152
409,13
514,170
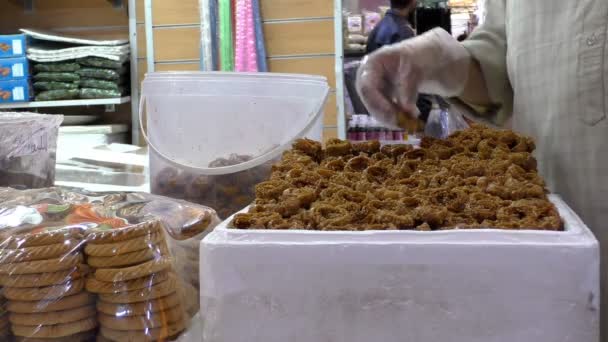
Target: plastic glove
x,y
389,79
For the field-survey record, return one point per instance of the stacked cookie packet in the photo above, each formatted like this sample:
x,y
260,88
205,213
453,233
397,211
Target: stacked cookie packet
x,y
78,266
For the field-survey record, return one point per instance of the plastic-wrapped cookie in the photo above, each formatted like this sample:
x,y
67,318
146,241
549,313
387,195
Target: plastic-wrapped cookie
x,y
5,328
136,283
43,272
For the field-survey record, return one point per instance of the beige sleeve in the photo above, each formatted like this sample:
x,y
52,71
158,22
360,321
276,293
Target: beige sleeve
x,y
488,45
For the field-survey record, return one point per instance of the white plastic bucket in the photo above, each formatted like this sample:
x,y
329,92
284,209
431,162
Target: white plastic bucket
x,y
194,119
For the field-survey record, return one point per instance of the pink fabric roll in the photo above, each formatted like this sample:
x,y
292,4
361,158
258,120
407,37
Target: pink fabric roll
x,y
252,58
241,46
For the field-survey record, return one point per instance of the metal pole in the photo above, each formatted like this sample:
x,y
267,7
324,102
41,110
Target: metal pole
x,y
135,134
149,35
339,47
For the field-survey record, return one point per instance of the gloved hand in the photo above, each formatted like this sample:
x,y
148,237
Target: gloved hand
x,y
388,80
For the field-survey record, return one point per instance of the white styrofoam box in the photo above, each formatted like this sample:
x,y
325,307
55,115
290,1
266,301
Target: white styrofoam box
x,y
457,286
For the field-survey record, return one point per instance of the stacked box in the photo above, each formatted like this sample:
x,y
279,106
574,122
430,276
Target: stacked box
x,y
12,45
14,91
14,69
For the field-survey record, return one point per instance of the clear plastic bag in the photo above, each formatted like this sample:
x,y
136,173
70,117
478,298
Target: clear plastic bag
x,y
28,145
60,94
42,85
99,62
102,74
444,120
99,84
57,77
56,67
76,265
92,93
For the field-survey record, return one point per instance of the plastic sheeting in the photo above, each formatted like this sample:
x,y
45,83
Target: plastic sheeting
x,y
28,145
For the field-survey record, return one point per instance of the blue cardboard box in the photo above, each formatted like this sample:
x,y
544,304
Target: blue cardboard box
x,y
15,91
12,45
14,68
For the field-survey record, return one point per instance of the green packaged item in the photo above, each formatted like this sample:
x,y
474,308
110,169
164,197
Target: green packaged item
x,y
56,67
43,85
103,74
99,62
226,35
98,84
64,94
56,77
92,93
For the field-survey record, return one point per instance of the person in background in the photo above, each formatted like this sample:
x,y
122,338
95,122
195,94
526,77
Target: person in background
x,y
545,64
394,28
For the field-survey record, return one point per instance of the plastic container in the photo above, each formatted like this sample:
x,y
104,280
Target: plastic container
x,y
28,146
213,136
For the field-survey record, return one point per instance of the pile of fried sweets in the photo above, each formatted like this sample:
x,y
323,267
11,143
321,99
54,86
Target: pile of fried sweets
x,y
477,178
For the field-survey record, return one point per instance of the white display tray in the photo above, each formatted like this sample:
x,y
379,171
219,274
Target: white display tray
x,y
483,285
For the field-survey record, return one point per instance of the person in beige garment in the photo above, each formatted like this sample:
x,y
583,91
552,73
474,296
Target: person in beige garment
x,y
545,63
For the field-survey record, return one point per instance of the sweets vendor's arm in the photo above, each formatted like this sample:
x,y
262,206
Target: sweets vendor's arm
x,y
390,79
488,86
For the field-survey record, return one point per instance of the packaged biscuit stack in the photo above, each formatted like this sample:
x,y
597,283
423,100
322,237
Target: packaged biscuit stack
x,y
43,274
140,297
77,265
5,329
186,254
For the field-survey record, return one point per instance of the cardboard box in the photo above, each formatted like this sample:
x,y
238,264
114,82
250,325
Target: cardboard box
x,y
14,68
15,91
12,45
458,286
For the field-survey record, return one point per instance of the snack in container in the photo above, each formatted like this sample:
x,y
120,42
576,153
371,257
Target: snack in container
x,y
76,266
476,178
226,193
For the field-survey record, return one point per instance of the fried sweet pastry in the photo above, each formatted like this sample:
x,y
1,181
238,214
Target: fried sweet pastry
x,y
477,178
337,148
369,147
309,147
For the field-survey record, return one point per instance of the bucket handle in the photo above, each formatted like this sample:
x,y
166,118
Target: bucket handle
x,y
259,160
